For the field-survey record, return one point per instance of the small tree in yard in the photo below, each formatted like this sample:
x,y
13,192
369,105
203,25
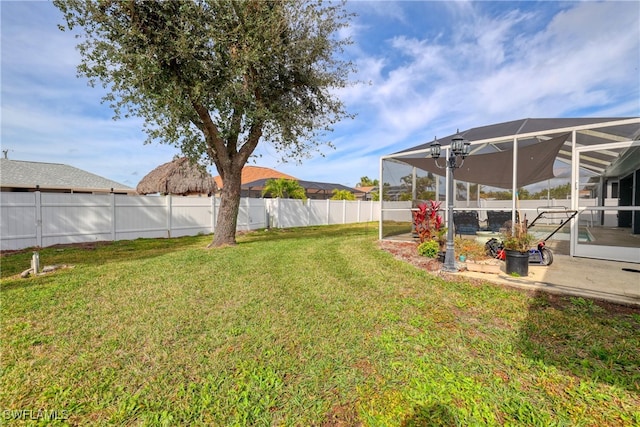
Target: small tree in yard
x,y
214,78
342,195
284,189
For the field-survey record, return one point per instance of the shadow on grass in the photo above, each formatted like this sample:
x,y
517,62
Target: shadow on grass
x,y
436,414
592,340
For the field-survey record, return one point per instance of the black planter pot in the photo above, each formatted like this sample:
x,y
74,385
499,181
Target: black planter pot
x,y
517,263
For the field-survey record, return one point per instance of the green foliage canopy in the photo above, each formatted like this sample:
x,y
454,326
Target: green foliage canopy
x,y
214,78
342,195
365,181
284,189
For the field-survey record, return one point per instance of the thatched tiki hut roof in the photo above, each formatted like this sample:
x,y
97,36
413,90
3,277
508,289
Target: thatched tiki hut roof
x,y
180,177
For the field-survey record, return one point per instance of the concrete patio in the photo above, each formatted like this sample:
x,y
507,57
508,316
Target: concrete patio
x,y
612,281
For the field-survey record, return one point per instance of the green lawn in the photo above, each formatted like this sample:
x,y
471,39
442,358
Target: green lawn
x,y
312,326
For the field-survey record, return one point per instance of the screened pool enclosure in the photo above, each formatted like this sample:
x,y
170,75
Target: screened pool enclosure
x,y
518,169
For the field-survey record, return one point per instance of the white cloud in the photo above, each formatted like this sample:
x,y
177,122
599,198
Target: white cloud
x,y
566,66
513,65
494,71
427,67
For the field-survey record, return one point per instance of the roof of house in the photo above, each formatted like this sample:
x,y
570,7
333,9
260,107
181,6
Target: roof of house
x,y
367,189
55,176
309,186
254,173
178,176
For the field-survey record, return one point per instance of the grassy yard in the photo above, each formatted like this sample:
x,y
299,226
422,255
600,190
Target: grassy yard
x,y
313,326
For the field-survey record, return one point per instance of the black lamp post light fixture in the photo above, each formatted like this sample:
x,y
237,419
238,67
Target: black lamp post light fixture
x,y
458,150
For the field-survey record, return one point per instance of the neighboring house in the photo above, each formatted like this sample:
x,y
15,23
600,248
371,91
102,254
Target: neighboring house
x,y
254,178
366,193
24,176
255,173
313,189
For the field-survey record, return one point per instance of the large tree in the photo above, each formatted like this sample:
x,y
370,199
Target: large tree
x,y
216,77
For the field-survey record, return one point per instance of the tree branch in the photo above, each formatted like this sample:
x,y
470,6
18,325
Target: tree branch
x,y
252,141
215,144
234,131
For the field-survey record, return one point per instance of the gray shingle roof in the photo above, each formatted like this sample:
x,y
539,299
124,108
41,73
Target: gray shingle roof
x,y
23,174
309,186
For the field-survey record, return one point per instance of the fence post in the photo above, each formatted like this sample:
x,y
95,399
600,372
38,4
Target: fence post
x,y
38,196
265,211
213,213
344,211
266,207
328,211
113,217
308,205
169,213
358,217
248,213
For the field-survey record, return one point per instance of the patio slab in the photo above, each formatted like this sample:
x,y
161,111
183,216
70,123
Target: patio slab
x,y
612,281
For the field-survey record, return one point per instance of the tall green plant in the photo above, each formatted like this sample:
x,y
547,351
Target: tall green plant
x,y
342,195
284,189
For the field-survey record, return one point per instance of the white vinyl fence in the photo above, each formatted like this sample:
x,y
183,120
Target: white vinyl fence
x,y
45,219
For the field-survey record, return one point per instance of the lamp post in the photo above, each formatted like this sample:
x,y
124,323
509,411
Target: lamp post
x,y
459,148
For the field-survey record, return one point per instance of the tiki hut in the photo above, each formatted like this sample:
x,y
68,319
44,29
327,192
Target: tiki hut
x,y
178,177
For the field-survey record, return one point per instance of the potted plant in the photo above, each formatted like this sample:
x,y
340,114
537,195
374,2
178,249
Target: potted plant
x,y
517,241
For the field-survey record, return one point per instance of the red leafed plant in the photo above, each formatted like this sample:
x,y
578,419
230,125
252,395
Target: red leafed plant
x,y
427,220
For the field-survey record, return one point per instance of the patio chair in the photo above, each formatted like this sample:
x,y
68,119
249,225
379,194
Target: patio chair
x,y
497,219
466,222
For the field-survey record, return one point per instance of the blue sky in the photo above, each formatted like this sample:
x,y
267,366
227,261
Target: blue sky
x,y
430,68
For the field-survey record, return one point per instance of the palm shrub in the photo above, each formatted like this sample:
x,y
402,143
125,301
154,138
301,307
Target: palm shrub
x,y
284,188
342,195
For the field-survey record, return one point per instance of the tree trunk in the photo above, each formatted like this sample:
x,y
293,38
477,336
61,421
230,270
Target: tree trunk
x,y
225,232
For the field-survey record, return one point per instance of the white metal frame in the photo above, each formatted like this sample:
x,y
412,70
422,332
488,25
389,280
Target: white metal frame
x,y
599,252
614,253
